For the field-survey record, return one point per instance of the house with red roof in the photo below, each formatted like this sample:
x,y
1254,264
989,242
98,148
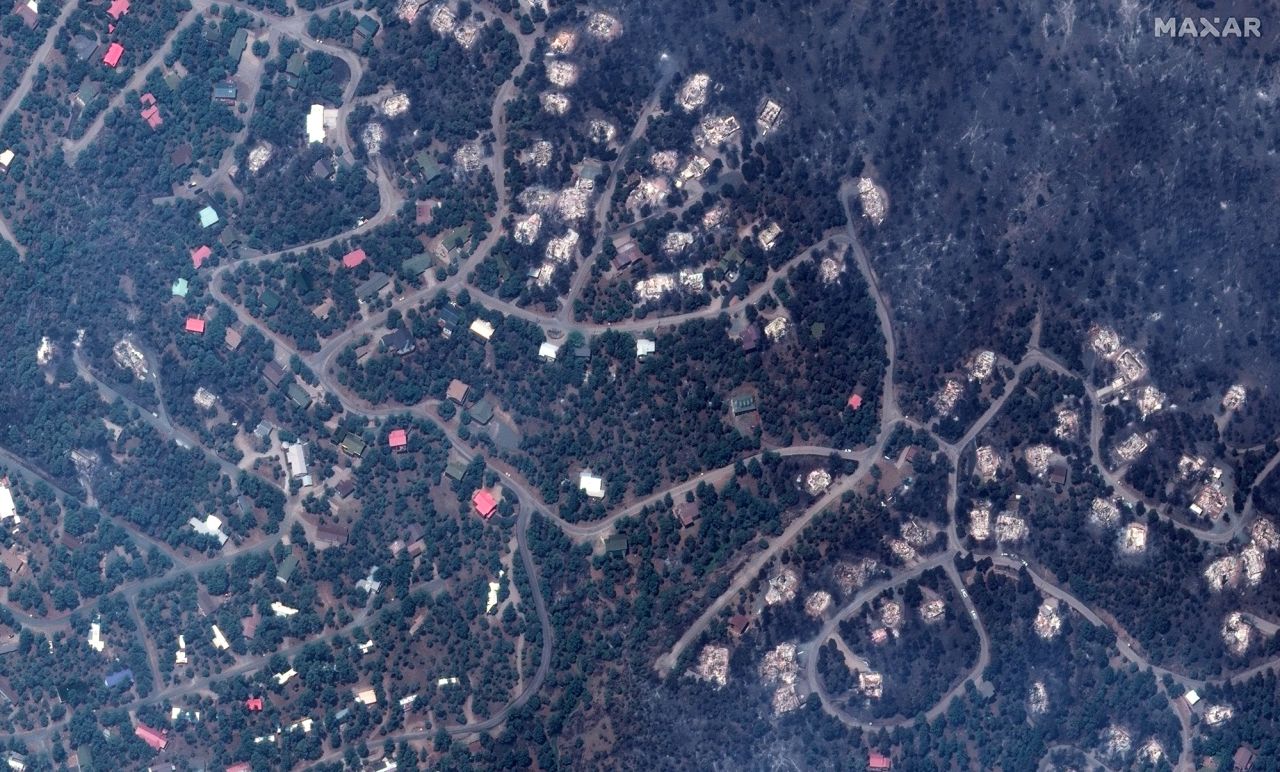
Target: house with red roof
x,y
877,761
117,9
151,111
241,767
855,401
112,57
254,704
353,258
195,325
485,503
398,439
200,254
153,737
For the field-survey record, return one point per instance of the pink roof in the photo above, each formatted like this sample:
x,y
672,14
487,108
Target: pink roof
x,y
876,761
399,438
484,503
152,737
147,99
855,401
241,767
112,57
152,116
118,8
200,254
253,703
195,324
353,258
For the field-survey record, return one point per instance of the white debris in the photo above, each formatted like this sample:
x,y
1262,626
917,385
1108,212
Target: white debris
x,y
817,482
562,74
1151,752
1133,539
571,203
1068,424
980,521
259,156
693,170
443,21
768,116
916,533
1223,573
527,230
947,397
817,603
782,587
692,280
1133,447
1104,341
554,102
650,191
1117,740
769,236
372,137
785,699
715,129
1038,699
664,161
713,665
602,26
467,33
1048,622
1103,513
44,352
654,287
395,105
693,94
204,398
875,203
1234,397
871,684
130,358
779,665
1150,400
1264,534
562,249
981,365
469,157
891,614
601,132
676,242
986,463
829,270
1237,633
851,576
777,328
1010,527
1254,564
536,198
932,610
407,10
902,550
563,42
1037,458
1217,715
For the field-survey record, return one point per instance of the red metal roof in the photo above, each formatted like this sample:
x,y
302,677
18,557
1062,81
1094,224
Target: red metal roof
x,y
112,57
200,254
876,761
195,324
152,116
855,401
253,703
118,8
353,258
398,439
147,99
484,503
241,767
152,737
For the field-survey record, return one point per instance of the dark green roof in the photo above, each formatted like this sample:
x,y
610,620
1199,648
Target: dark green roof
x,y
297,63
287,567
482,411
368,26
372,286
270,301
615,544
238,44
299,396
427,162
353,445
416,266
455,468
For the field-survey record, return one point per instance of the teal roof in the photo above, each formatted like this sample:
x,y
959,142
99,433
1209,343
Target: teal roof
x,y
179,288
208,216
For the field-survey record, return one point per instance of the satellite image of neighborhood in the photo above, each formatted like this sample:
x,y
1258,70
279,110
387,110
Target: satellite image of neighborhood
x,y
639,385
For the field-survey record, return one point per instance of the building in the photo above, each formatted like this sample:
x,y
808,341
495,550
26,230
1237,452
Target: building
x,y
354,258
6,160
199,255
220,641
225,92
274,374
344,488
95,638
855,401
743,403
414,267
1242,760
398,439
687,513
372,286
194,325
750,339
299,396
233,337
287,567
117,9
367,27
878,761
179,288
208,217
119,678
484,503
645,347
112,57
151,111
352,446
211,526
8,510
398,342
548,351
591,484
482,411
253,704
457,391
315,122
482,329
456,468
615,545
296,456
239,42
331,536
153,737
293,69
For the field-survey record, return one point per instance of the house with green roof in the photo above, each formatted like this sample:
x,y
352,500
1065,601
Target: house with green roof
x,y
208,217
299,396
179,288
238,44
